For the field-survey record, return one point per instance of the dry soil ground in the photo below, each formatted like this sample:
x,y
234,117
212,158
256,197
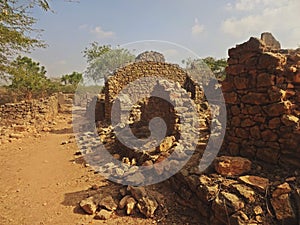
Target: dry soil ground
x,y
42,183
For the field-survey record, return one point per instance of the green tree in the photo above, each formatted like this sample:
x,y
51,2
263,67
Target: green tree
x,y
28,78
103,60
72,79
16,29
217,66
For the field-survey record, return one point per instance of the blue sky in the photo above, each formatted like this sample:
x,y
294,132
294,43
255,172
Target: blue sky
x,y
208,28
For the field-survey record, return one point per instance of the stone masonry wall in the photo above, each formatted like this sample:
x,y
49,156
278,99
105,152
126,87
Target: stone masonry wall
x,y
137,70
262,93
25,112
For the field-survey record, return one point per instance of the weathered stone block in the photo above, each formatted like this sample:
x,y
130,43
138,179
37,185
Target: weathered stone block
x,y
275,109
258,182
283,209
265,80
255,98
232,166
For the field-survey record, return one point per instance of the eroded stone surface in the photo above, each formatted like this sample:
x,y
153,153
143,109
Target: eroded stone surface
x,y
89,205
232,166
258,182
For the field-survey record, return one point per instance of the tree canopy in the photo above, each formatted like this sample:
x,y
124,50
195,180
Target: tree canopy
x,y
103,60
16,29
217,66
28,78
72,79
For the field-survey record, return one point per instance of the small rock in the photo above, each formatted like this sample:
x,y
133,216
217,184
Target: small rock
x,y
148,164
258,210
245,191
128,202
159,168
17,136
166,144
88,205
137,192
239,218
259,219
46,129
119,172
282,189
64,142
103,215
133,162
78,153
109,203
290,179
283,208
147,206
233,200
131,202
123,201
258,182
126,160
136,178
232,166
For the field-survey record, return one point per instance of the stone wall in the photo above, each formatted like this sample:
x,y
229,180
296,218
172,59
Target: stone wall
x,y
29,112
65,102
262,98
262,92
134,71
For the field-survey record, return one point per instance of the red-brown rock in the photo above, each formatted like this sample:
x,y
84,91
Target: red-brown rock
x,y
232,166
283,208
258,182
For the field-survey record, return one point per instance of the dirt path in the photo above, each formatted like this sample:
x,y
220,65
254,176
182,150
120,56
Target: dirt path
x,y
40,182
38,177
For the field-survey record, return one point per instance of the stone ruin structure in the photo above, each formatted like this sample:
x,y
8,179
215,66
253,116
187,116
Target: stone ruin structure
x,y
178,88
150,56
262,91
255,179
31,115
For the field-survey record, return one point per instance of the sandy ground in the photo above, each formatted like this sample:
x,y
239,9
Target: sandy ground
x,y
41,183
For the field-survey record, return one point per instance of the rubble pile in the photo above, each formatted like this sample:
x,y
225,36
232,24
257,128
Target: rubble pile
x,y
130,201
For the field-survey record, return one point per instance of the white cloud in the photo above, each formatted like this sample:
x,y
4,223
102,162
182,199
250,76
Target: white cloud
x,y
197,28
247,5
250,5
100,33
279,17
